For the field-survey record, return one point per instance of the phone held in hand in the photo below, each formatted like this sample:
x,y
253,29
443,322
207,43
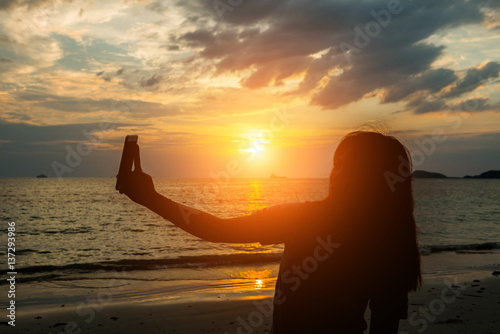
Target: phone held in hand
x,y
130,156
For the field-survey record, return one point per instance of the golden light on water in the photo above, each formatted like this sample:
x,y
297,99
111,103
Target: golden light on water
x,y
255,197
263,280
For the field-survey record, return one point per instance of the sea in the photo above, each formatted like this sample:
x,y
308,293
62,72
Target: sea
x,y
82,229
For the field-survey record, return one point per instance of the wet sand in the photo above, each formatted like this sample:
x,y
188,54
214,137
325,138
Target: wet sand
x,y
441,306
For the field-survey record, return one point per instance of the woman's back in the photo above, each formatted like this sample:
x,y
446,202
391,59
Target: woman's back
x,y
326,276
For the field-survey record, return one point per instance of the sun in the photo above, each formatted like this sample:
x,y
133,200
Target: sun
x,y
253,144
256,148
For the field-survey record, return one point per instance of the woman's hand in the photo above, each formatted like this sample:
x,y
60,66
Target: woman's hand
x,y
139,187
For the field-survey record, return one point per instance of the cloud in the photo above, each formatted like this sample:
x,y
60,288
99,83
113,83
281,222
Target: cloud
x,y
424,107
221,71
28,150
23,133
295,46
131,109
11,4
153,80
432,81
137,109
476,104
280,40
6,4
474,78
172,47
376,71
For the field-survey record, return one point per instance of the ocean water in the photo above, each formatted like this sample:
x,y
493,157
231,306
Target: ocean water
x,y
81,228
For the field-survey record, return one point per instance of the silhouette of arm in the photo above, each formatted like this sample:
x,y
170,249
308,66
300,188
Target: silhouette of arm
x,y
268,226
211,228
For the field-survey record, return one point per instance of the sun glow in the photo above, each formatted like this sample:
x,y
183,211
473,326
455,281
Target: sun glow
x,y
254,149
254,143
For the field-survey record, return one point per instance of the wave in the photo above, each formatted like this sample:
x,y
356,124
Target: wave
x,y
29,250
44,272
203,261
460,248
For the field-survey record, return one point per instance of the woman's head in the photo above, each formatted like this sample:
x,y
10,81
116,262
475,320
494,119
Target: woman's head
x,y
371,188
372,161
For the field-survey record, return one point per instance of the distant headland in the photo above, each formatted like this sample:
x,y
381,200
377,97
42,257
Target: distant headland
x,y
422,174
491,174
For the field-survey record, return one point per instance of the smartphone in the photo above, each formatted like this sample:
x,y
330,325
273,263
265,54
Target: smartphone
x,y
130,156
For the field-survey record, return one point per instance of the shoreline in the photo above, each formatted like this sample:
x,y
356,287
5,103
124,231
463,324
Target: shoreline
x,y
458,306
459,295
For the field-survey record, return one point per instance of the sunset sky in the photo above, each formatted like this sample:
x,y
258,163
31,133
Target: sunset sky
x,y
266,86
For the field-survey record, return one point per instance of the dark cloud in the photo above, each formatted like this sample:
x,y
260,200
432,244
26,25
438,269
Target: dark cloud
x,y
424,107
172,47
367,76
365,47
151,81
28,150
133,109
108,77
32,134
158,6
432,81
7,4
276,72
199,37
476,104
5,60
10,4
474,78
70,104
19,116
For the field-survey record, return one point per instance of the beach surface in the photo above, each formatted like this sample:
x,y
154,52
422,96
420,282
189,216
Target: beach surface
x,y
445,305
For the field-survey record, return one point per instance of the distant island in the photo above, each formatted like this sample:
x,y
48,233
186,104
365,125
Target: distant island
x,y
491,174
42,176
273,176
422,174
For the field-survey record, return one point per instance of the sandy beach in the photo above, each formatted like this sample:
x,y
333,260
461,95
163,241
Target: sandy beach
x,y
448,306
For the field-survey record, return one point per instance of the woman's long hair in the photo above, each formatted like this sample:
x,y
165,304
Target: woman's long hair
x,y
371,192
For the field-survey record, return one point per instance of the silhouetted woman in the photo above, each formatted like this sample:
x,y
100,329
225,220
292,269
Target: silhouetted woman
x,y
356,247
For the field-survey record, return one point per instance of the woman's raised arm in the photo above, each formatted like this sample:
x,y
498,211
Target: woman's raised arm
x,y
265,226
